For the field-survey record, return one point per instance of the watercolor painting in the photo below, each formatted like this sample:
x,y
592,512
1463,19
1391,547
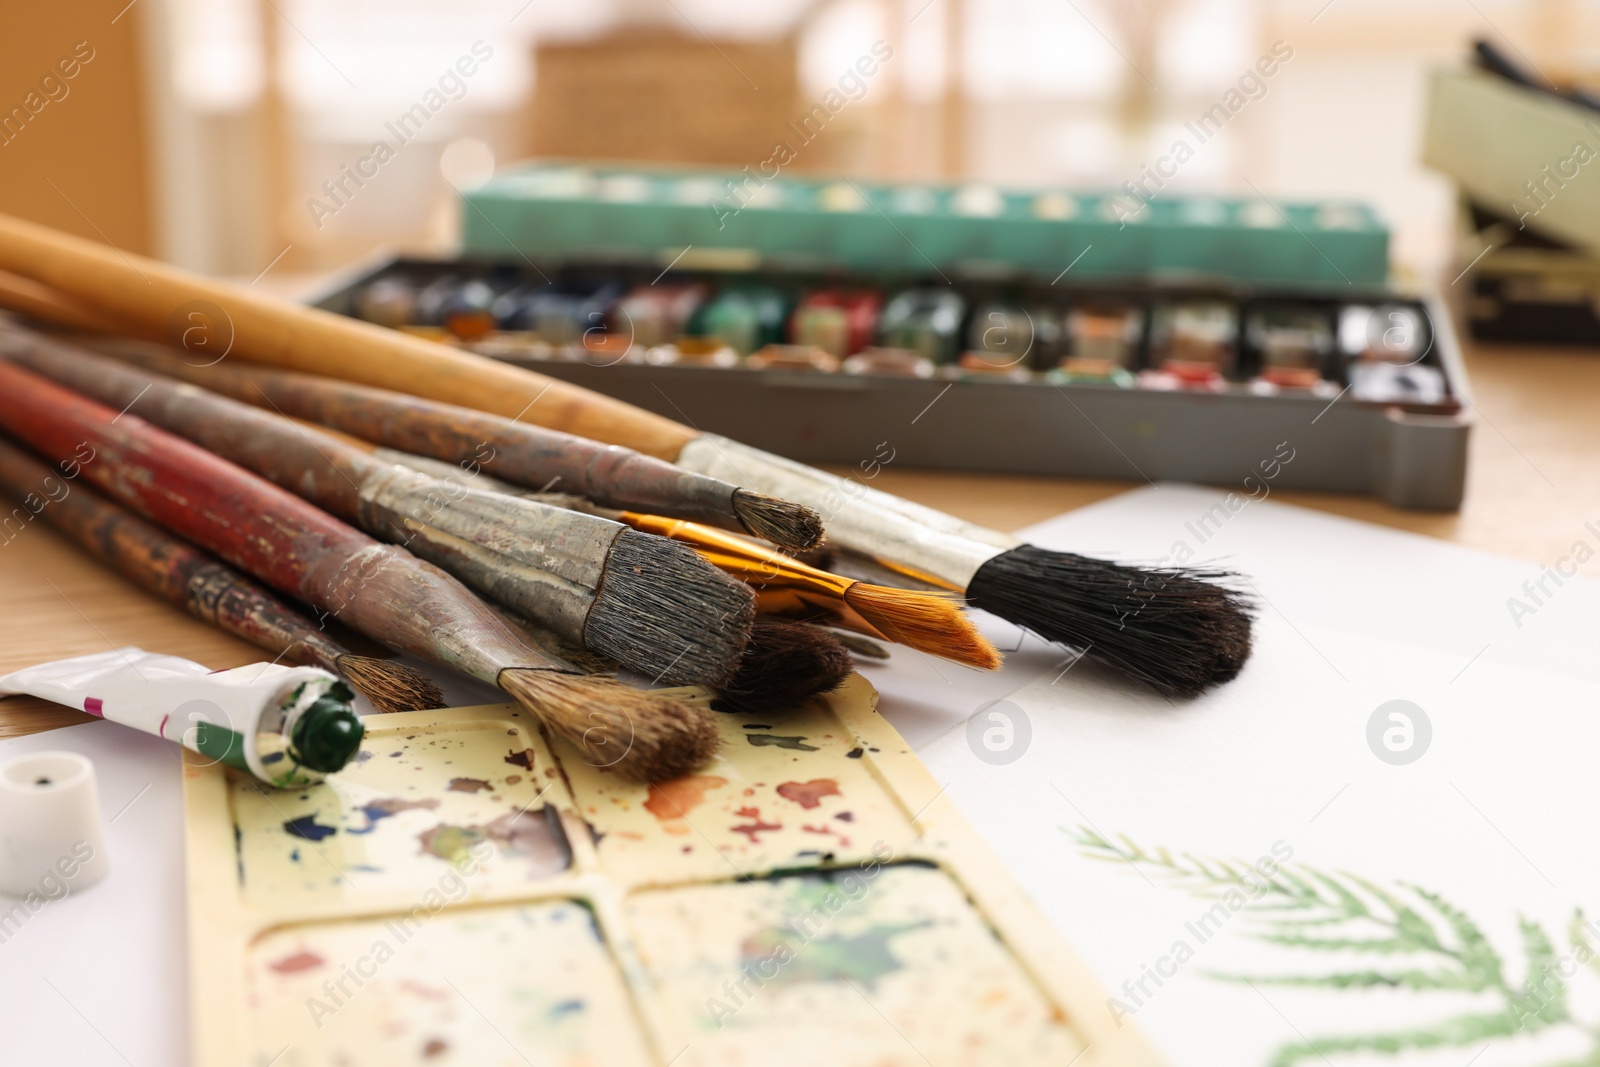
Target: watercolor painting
x,y
1418,943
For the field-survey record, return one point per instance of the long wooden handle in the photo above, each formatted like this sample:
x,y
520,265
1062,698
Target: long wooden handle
x,y
49,305
157,297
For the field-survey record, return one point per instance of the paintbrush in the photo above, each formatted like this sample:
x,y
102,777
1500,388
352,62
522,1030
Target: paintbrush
x,y
654,606
379,590
527,455
929,621
1177,629
212,592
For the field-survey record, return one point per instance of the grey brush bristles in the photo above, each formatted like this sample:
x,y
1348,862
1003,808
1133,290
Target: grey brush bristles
x,y
1176,629
633,732
786,663
660,607
792,527
390,686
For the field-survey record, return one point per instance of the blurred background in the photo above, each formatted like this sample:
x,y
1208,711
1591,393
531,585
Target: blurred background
x,y
204,131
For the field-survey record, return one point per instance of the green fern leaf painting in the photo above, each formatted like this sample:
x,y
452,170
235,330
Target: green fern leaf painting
x,y
1320,919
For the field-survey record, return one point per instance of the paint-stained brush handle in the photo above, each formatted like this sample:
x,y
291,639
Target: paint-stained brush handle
x,y
164,565
534,457
379,590
148,294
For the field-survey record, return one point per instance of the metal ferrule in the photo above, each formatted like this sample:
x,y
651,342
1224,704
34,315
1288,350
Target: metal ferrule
x,y
903,536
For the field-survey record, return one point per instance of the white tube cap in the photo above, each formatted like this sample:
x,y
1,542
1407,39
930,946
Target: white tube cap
x,y
51,841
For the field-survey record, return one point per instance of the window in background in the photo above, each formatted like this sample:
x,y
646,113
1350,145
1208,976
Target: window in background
x,y
273,105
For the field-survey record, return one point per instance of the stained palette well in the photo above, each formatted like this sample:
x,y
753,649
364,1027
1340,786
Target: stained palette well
x,y
872,966
408,807
786,791
511,985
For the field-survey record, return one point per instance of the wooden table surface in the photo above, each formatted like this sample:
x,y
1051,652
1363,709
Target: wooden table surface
x,y
1532,481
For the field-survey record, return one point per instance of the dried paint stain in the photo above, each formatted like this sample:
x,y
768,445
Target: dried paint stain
x,y
672,801
306,826
467,785
780,741
860,959
378,810
534,835
809,794
299,961
756,826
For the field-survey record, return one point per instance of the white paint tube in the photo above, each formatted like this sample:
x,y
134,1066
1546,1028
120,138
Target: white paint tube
x,y
286,726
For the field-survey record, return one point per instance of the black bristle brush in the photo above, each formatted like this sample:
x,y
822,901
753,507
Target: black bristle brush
x,y
1178,630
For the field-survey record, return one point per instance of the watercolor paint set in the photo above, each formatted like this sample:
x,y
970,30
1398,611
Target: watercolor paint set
x,y
1190,379
467,891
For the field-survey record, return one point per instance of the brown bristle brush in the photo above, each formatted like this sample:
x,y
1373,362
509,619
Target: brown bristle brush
x,y
530,456
654,605
785,664
212,592
380,590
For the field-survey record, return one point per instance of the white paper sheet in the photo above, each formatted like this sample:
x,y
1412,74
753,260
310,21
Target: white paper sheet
x,y
1495,815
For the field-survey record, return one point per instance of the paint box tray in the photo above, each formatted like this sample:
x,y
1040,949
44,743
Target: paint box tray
x,y
1228,431
470,892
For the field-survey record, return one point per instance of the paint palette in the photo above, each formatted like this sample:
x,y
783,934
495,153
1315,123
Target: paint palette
x,y
470,892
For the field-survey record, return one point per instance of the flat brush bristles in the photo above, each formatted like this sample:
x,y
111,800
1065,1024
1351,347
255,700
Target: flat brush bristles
x,y
390,686
667,613
923,621
792,527
785,664
1177,630
931,622
636,733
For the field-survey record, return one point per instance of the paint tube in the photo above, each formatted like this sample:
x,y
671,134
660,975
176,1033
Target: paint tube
x,y
286,726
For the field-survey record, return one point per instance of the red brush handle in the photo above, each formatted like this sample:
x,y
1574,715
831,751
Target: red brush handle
x,y
165,565
268,532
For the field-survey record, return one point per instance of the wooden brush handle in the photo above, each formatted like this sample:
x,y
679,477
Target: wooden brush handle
x,y
531,456
302,459
166,566
153,296
49,305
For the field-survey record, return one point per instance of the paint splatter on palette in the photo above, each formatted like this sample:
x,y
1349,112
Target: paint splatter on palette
x,y
468,892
